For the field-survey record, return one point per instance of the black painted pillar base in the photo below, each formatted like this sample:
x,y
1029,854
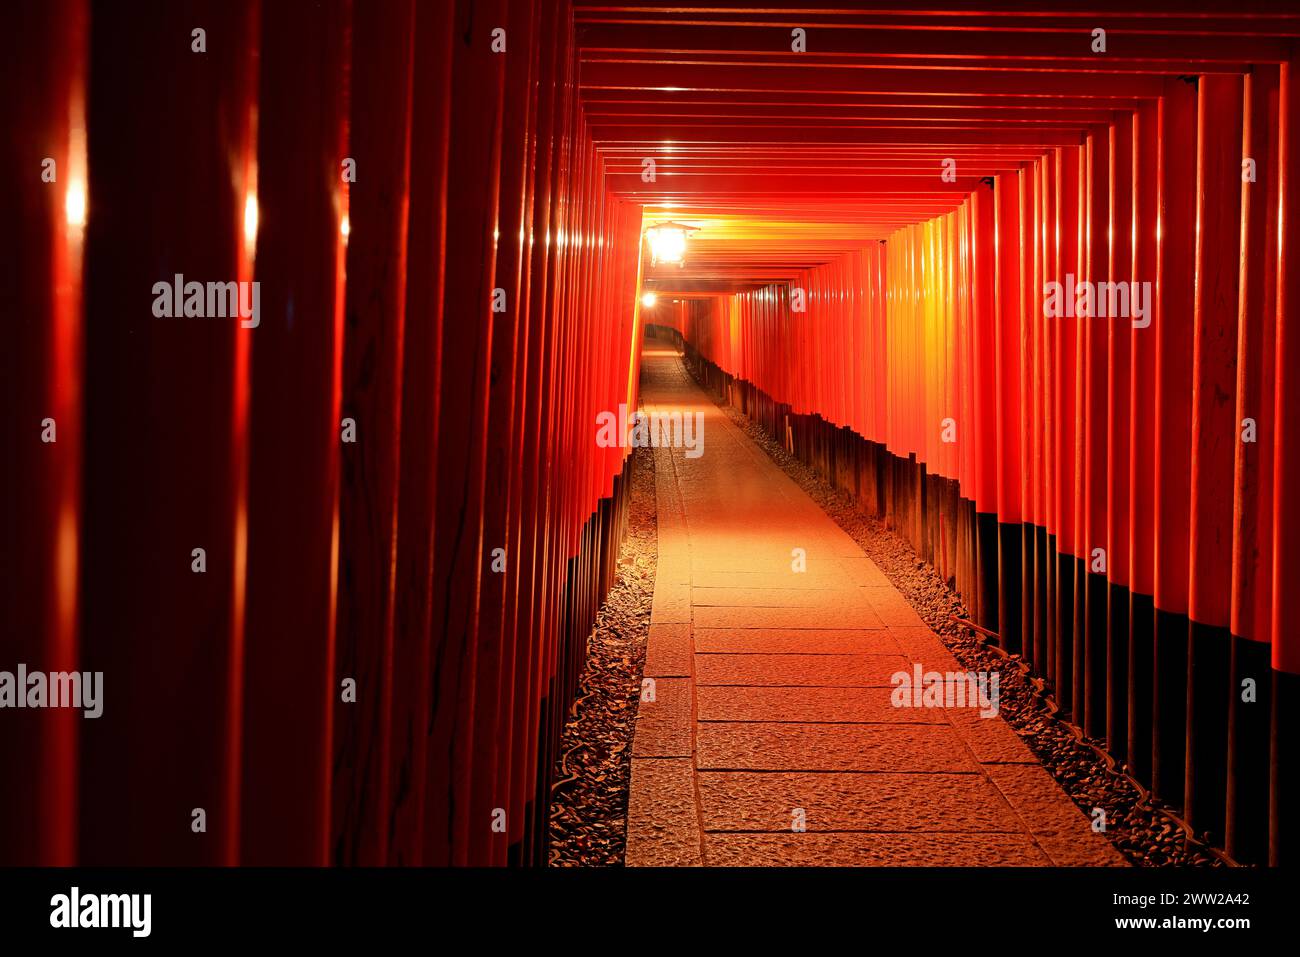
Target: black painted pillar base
x,y
1039,629
1285,796
1063,679
1052,598
986,545
1027,572
1095,630
1169,748
1010,585
1079,666
1248,737
1141,686
966,564
1117,654
1209,656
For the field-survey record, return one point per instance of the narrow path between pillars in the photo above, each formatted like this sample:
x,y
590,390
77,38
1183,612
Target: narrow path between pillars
x,y
773,736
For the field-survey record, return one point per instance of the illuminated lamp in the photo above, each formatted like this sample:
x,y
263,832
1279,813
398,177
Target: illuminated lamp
x,y
668,242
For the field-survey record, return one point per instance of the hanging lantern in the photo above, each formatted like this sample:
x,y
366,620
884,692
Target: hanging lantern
x,y
668,242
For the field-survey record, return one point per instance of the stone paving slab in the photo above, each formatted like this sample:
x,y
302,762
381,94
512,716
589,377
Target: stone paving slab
x,y
862,570
745,801
826,616
826,670
672,572
991,739
774,644
872,850
671,604
891,607
830,579
1060,828
778,597
923,646
791,641
663,826
807,705
759,746
664,727
669,652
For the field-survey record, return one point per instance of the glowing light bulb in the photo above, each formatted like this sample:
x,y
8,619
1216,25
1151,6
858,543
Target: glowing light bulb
x,y
250,218
74,204
667,243
648,300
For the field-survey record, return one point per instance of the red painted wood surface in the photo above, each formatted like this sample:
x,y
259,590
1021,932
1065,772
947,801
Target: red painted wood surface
x,y
294,446
41,295
484,309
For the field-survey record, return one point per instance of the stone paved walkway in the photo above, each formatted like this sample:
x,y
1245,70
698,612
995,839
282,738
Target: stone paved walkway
x,y
772,691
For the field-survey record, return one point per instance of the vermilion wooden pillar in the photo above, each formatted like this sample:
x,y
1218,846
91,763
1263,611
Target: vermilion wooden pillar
x,y
1142,427
1123,227
477,81
1030,393
1091,580
984,428
421,355
377,206
1286,478
1007,331
516,628
296,437
1069,197
495,646
165,431
1174,330
540,607
43,53
531,550
1252,540
547,593
1045,560
1215,436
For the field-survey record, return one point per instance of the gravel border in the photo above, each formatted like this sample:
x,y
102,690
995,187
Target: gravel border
x,y
588,825
1142,833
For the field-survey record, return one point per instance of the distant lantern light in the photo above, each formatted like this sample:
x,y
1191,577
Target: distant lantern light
x,y
668,243
648,300
74,204
250,218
